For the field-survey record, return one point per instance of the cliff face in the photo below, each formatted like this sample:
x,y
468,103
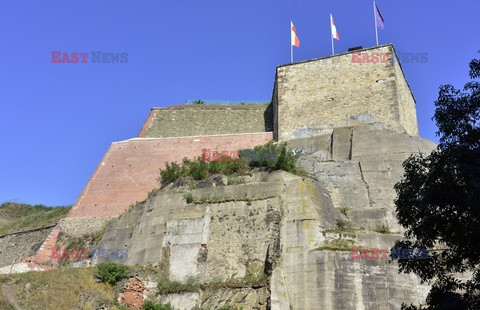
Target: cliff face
x,y
268,242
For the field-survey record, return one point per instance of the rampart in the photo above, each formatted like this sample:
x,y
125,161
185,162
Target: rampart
x,y
129,169
201,119
315,96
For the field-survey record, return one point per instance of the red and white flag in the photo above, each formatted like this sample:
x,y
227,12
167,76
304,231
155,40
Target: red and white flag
x,y
295,39
334,29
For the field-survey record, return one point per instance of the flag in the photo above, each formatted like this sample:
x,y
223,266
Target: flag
x,y
334,29
378,17
295,40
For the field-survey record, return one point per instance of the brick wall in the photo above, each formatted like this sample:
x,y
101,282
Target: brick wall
x,y
129,169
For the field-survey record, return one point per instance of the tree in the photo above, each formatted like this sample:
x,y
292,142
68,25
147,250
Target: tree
x,y
438,202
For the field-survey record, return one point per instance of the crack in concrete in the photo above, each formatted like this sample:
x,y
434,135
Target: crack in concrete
x,y
366,185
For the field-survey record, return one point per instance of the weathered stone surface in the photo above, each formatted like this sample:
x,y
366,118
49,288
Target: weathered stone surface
x,y
362,187
312,97
15,247
184,301
247,298
275,227
201,119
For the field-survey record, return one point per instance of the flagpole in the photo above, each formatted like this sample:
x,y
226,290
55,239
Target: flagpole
x,y
291,45
331,34
291,52
375,18
333,49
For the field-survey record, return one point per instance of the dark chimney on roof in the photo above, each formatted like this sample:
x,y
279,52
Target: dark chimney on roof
x,y
356,48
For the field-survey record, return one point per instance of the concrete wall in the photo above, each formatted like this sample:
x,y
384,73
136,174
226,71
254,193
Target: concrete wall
x,y
202,119
129,169
312,97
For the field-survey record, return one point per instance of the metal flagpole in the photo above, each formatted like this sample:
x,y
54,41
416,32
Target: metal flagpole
x,y
291,51
291,45
333,49
331,34
375,18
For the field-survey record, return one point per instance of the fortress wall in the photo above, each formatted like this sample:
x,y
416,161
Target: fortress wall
x,y
207,119
312,97
406,101
129,169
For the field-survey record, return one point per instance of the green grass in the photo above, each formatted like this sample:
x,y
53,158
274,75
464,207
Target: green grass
x,y
166,286
152,305
59,289
344,211
337,245
382,229
28,217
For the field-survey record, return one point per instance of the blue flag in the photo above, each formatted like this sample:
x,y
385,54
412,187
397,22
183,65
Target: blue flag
x,y
378,17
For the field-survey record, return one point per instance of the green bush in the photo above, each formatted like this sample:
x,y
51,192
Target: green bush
x,y
171,172
151,305
111,272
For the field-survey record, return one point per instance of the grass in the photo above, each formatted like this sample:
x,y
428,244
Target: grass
x,y
211,198
344,211
235,180
382,229
337,245
166,286
189,197
152,305
28,217
60,289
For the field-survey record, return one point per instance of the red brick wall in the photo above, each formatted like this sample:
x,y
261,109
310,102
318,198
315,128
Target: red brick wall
x,y
129,169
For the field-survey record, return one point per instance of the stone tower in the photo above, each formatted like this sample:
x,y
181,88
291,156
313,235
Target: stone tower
x,y
368,86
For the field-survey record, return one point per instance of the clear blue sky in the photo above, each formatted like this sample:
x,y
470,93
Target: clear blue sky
x,y
59,119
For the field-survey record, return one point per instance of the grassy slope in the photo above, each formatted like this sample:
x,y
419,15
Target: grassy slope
x,y
63,288
16,217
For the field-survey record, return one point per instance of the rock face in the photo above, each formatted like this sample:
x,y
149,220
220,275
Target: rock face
x,y
267,243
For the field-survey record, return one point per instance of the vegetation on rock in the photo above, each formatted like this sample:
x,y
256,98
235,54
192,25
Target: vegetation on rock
x,y
199,169
111,272
18,217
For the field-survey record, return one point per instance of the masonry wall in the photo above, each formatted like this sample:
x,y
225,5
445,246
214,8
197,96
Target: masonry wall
x,y
129,169
315,96
202,119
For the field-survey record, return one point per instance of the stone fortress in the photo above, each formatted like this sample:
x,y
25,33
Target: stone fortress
x,y
353,125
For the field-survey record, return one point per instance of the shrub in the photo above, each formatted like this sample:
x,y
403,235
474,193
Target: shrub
x,y
151,305
111,272
171,172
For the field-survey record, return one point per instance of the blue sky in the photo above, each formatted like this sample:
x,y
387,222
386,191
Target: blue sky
x,y
59,119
